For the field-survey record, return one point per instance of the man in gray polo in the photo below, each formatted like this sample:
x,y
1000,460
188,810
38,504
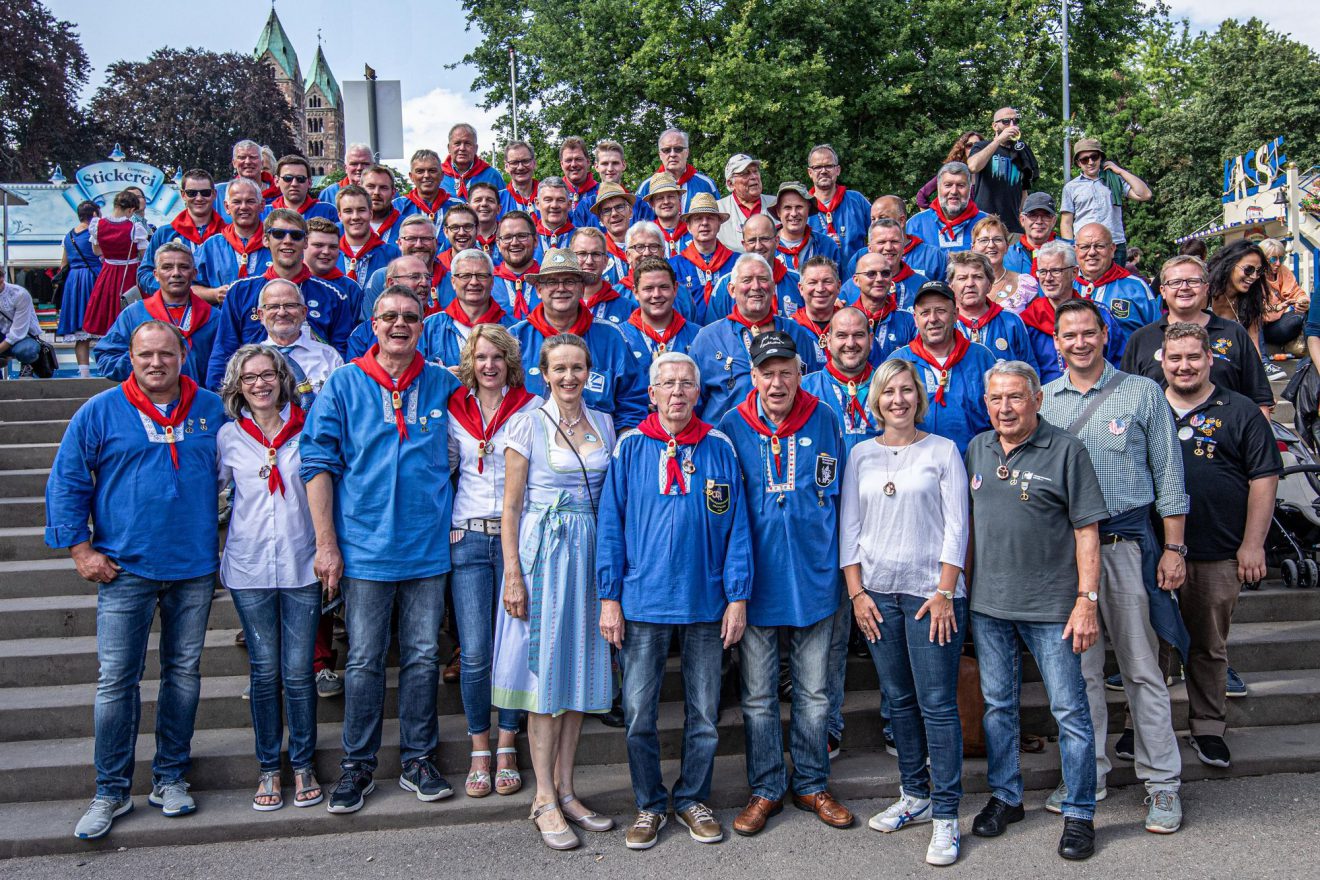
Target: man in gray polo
x,y
1128,430
1036,563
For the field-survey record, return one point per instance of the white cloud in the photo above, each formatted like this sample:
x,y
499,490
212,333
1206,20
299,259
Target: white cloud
x,y
1294,17
428,118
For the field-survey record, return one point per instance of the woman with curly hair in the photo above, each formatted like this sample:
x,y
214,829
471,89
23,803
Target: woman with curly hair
x,y
1238,292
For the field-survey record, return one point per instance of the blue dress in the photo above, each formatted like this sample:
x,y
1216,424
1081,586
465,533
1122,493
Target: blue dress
x,y
84,266
556,660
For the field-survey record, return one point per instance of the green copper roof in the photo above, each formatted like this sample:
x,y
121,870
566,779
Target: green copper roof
x,y
273,39
321,77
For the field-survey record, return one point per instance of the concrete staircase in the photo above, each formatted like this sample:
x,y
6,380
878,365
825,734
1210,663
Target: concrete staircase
x,y
48,671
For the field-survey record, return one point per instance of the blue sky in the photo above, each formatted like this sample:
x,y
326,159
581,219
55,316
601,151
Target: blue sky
x,y
409,40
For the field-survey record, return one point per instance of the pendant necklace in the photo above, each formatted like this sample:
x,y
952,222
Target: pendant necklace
x,y
890,488
569,425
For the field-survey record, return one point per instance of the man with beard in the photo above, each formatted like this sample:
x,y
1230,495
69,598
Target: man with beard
x,y
948,222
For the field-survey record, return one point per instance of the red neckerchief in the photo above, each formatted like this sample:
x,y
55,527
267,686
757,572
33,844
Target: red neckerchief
x,y
693,433
793,252
629,283
688,173
306,205
197,312
254,244
1113,273
390,219
478,165
804,405
439,269
755,326
880,314
487,244
271,190
527,202
710,266
913,241
376,372
1039,314
904,273
536,317
828,210
748,213
606,294
303,274
960,348
291,427
140,402
946,224
373,241
432,209
661,338
492,315
854,409
675,236
541,228
466,410
1031,248
575,194
520,305
804,319
334,274
992,309
778,270
186,226
615,250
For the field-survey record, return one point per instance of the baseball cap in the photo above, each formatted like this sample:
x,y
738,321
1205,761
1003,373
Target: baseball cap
x,y
1039,201
938,288
775,344
738,163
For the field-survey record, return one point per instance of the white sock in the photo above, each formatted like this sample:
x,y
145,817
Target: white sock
x,y
84,371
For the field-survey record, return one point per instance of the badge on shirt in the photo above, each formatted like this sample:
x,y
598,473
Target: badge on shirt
x,y
1118,427
827,468
717,497
596,382
976,482
1001,344
1185,433
1121,308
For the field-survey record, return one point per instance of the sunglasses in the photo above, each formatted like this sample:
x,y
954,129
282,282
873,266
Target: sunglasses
x,y
293,178
199,193
291,234
391,317
1012,120
1250,271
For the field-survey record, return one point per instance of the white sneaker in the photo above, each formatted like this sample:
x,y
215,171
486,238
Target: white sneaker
x,y
945,842
907,810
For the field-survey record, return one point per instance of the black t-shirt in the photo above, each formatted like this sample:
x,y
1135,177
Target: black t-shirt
x,y
1236,365
1226,443
1001,183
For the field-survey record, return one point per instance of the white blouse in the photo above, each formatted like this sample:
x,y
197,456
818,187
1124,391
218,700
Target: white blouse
x,y
553,468
900,540
481,495
271,542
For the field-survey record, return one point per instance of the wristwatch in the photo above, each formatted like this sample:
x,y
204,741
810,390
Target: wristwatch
x,y
1180,549
1090,594
948,594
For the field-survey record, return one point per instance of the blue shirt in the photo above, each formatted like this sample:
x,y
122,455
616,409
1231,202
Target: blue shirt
x,y
794,515
679,557
1129,299
442,338
787,295
851,220
644,347
1005,335
817,244
218,262
361,268
112,360
318,208
722,351
963,414
926,226
393,496
156,521
697,183
505,292
146,273
485,175
834,394
694,281
615,386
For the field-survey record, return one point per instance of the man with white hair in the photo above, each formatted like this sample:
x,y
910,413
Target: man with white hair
x,y
239,251
246,162
746,198
464,165
283,313
948,222
357,159
445,333
675,153
554,229
721,348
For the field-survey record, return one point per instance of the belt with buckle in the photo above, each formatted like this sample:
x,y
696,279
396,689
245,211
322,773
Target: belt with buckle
x,y
1112,539
484,526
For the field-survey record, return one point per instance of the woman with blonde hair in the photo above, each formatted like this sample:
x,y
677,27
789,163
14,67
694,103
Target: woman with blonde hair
x,y
903,545
1011,290
1286,303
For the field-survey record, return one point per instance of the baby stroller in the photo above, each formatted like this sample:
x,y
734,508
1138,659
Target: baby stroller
x,y
1293,542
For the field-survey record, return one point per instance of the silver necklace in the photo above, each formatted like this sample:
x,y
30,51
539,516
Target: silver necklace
x,y
890,488
569,425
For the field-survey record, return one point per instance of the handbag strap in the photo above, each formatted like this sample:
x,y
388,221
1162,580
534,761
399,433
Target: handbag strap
x,y
581,464
1110,387
73,239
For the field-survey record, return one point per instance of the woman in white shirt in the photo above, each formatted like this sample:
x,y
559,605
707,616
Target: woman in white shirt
x,y
903,544
267,564
480,412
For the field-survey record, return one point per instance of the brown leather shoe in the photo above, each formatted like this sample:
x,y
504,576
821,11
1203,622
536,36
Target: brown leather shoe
x,y
826,808
754,816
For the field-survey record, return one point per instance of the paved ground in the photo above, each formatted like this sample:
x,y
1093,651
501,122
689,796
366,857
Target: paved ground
x,y
1240,828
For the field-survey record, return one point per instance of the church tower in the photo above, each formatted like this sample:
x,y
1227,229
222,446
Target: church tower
x,y
274,48
325,118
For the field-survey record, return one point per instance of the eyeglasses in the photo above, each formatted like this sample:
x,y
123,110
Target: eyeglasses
x,y
825,167
617,206
1250,271
589,255
411,277
1184,283
293,178
1094,246
553,283
1011,120
250,379
460,227
677,385
416,239
465,277
1051,273
646,248
199,193
290,234
760,239
391,317
515,236
883,274
275,308
518,163
991,239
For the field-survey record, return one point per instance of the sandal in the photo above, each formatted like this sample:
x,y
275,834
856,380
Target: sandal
x,y
507,780
267,788
308,791
478,781
590,820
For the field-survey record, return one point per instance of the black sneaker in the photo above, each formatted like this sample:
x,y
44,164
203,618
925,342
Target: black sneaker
x,y
1212,750
1126,747
351,791
421,777
891,745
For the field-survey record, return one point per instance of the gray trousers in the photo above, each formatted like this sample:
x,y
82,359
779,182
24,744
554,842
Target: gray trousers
x,y
1125,624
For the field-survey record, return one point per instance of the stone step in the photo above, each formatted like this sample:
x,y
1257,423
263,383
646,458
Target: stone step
x,y
45,389
46,827
23,483
27,542
56,616
47,431
40,409
27,455
25,578
22,511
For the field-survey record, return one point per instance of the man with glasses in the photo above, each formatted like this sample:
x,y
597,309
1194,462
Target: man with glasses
x,y
378,181
361,250
886,238
427,197
514,289
329,313
464,166
842,214
293,176
877,299
554,229
357,159
1096,195
920,255
644,239
197,222
648,597
746,198
284,315
522,189
675,153
445,333
1056,269
412,272
1037,219
239,250
759,237
614,211
369,453
1005,169
1106,282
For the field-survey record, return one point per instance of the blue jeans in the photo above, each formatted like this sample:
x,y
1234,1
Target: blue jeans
x,y
125,608
367,609
808,660
645,648
920,682
25,351
1000,660
280,626
474,585
839,665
